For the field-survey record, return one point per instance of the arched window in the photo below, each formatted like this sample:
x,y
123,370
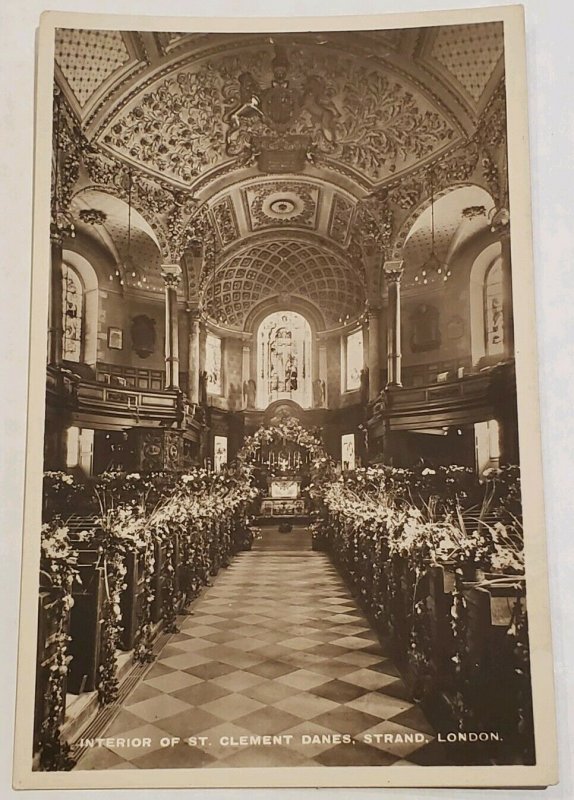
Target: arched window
x,y
213,364
493,313
73,314
284,359
486,316
80,325
354,358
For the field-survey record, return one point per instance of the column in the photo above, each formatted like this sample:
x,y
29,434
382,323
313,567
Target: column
x,y
323,376
56,311
202,350
374,353
171,273
246,392
193,359
393,271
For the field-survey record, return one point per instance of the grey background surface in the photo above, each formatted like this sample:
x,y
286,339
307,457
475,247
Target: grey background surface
x,y
550,51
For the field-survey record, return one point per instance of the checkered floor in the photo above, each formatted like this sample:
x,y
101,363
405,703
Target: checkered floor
x,y
276,646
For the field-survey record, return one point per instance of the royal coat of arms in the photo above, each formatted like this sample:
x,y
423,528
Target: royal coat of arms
x,y
266,122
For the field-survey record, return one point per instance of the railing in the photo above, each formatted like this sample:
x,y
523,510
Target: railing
x,y
111,399
471,398
84,398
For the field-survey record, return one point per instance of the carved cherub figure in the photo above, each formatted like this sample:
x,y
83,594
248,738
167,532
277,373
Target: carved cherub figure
x,y
322,110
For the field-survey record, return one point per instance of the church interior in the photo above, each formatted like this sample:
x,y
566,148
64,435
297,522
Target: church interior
x,y
280,251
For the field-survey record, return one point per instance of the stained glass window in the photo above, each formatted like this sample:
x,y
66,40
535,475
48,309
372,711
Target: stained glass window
x,y
73,312
213,364
354,360
284,359
493,313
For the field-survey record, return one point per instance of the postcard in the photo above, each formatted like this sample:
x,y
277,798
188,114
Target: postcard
x,y
284,515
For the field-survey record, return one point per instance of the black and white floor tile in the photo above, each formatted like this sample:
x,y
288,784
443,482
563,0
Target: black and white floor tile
x,y
277,646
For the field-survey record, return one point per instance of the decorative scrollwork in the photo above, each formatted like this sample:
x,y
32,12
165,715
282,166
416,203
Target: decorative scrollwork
x,y
338,107
92,216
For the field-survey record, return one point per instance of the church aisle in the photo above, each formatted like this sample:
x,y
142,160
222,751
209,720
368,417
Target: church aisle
x,y
276,646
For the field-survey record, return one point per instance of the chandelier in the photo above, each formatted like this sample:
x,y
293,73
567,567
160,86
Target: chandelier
x,y
129,268
433,268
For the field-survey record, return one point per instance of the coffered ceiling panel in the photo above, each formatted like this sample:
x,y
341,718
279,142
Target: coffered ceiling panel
x,y
279,267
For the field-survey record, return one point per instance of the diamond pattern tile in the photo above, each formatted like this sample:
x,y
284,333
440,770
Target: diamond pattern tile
x,y
275,665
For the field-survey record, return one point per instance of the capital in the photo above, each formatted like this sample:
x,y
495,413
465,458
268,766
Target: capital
x,y
393,271
500,222
61,229
171,273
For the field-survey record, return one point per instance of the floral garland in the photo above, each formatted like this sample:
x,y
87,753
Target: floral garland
x,y
144,634
58,571
121,531
171,595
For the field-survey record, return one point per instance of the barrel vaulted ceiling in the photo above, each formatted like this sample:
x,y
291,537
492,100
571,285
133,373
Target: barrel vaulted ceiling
x,y
355,113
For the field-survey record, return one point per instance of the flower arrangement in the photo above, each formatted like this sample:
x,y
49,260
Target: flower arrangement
x,y
288,430
59,491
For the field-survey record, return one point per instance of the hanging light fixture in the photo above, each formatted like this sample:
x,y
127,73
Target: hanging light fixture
x,y
433,269
131,271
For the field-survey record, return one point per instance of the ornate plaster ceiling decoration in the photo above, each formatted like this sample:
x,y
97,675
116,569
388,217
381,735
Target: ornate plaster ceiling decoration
x,y
468,54
200,117
340,218
89,61
171,41
278,267
280,203
241,103
225,218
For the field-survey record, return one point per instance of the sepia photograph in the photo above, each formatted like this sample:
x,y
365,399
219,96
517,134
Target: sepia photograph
x,y
283,493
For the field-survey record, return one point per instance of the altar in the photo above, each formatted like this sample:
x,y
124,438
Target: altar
x,y
283,498
282,470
